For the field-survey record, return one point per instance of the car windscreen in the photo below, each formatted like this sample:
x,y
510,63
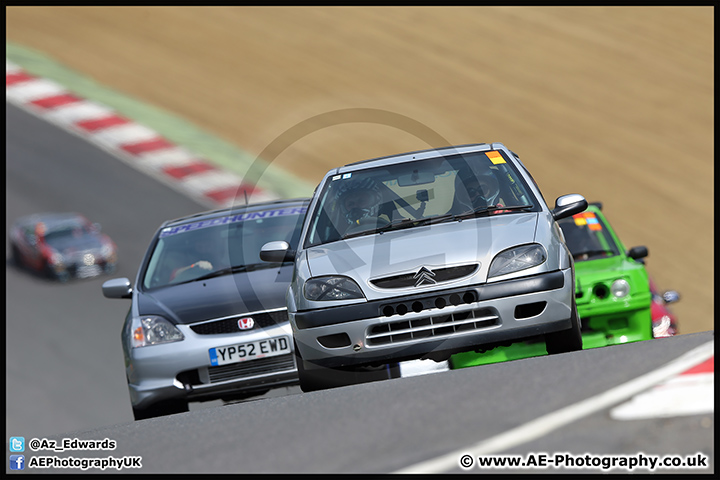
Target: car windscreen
x,y
67,233
587,237
408,194
220,245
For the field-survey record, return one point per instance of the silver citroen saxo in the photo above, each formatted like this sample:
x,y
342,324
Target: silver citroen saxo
x,y
422,255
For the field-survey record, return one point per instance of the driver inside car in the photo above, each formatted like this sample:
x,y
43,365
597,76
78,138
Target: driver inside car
x,y
204,250
482,190
359,203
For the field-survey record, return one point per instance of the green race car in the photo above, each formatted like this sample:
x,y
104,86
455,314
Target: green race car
x,y
612,292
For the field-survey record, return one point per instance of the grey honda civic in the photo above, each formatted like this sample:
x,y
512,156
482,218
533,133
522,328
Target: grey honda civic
x,y
208,318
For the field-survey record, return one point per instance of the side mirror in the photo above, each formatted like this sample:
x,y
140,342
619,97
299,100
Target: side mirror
x,y
276,252
671,296
569,205
636,253
117,288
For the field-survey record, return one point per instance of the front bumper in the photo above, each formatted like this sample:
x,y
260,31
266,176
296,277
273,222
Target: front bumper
x,y
183,370
617,324
79,269
613,324
434,325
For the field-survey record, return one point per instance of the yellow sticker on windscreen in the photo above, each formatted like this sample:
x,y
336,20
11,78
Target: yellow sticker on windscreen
x,y
495,157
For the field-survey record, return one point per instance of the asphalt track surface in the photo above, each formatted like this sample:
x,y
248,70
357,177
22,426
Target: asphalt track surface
x,y
63,341
64,372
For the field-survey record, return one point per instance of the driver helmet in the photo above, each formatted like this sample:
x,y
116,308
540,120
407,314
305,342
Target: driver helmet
x,y
359,199
483,187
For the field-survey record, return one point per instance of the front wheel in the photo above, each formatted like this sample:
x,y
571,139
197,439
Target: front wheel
x,y
16,256
569,340
62,276
314,377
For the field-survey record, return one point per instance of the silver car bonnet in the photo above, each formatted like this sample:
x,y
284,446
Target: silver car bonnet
x,y
434,246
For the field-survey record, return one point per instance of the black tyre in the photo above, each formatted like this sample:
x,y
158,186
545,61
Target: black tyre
x,y
16,257
314,377
62,277
569,340
160,409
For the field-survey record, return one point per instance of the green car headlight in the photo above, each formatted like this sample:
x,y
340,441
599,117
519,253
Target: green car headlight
x,y
620,288
154,330
332,288
516,259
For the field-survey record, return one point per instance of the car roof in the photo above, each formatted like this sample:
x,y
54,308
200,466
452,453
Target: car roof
x,y
52,220
253,207
438,151
427,153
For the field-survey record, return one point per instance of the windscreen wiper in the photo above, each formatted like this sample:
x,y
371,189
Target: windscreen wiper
x,y
396,225
410,222
234,269
360,233
481,210
402,223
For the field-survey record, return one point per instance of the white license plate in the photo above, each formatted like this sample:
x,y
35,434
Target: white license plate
x,y
241,352
85,271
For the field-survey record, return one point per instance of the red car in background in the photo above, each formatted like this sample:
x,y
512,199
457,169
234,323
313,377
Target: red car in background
x,y
664,322
62,246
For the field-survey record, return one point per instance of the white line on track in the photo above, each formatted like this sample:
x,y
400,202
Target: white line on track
x,y
552,421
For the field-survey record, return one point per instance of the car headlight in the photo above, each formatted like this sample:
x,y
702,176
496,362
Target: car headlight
x,y
331,288
107,251
516,259
57,260
154,330
620,288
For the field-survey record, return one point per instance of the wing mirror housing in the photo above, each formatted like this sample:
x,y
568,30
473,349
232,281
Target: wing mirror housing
x,y
636,253
277,252
671,296
569,205
117,288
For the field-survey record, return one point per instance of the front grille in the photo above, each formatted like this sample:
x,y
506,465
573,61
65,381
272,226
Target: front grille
x,y
418,304
230,325
251,368
440,275
434,326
